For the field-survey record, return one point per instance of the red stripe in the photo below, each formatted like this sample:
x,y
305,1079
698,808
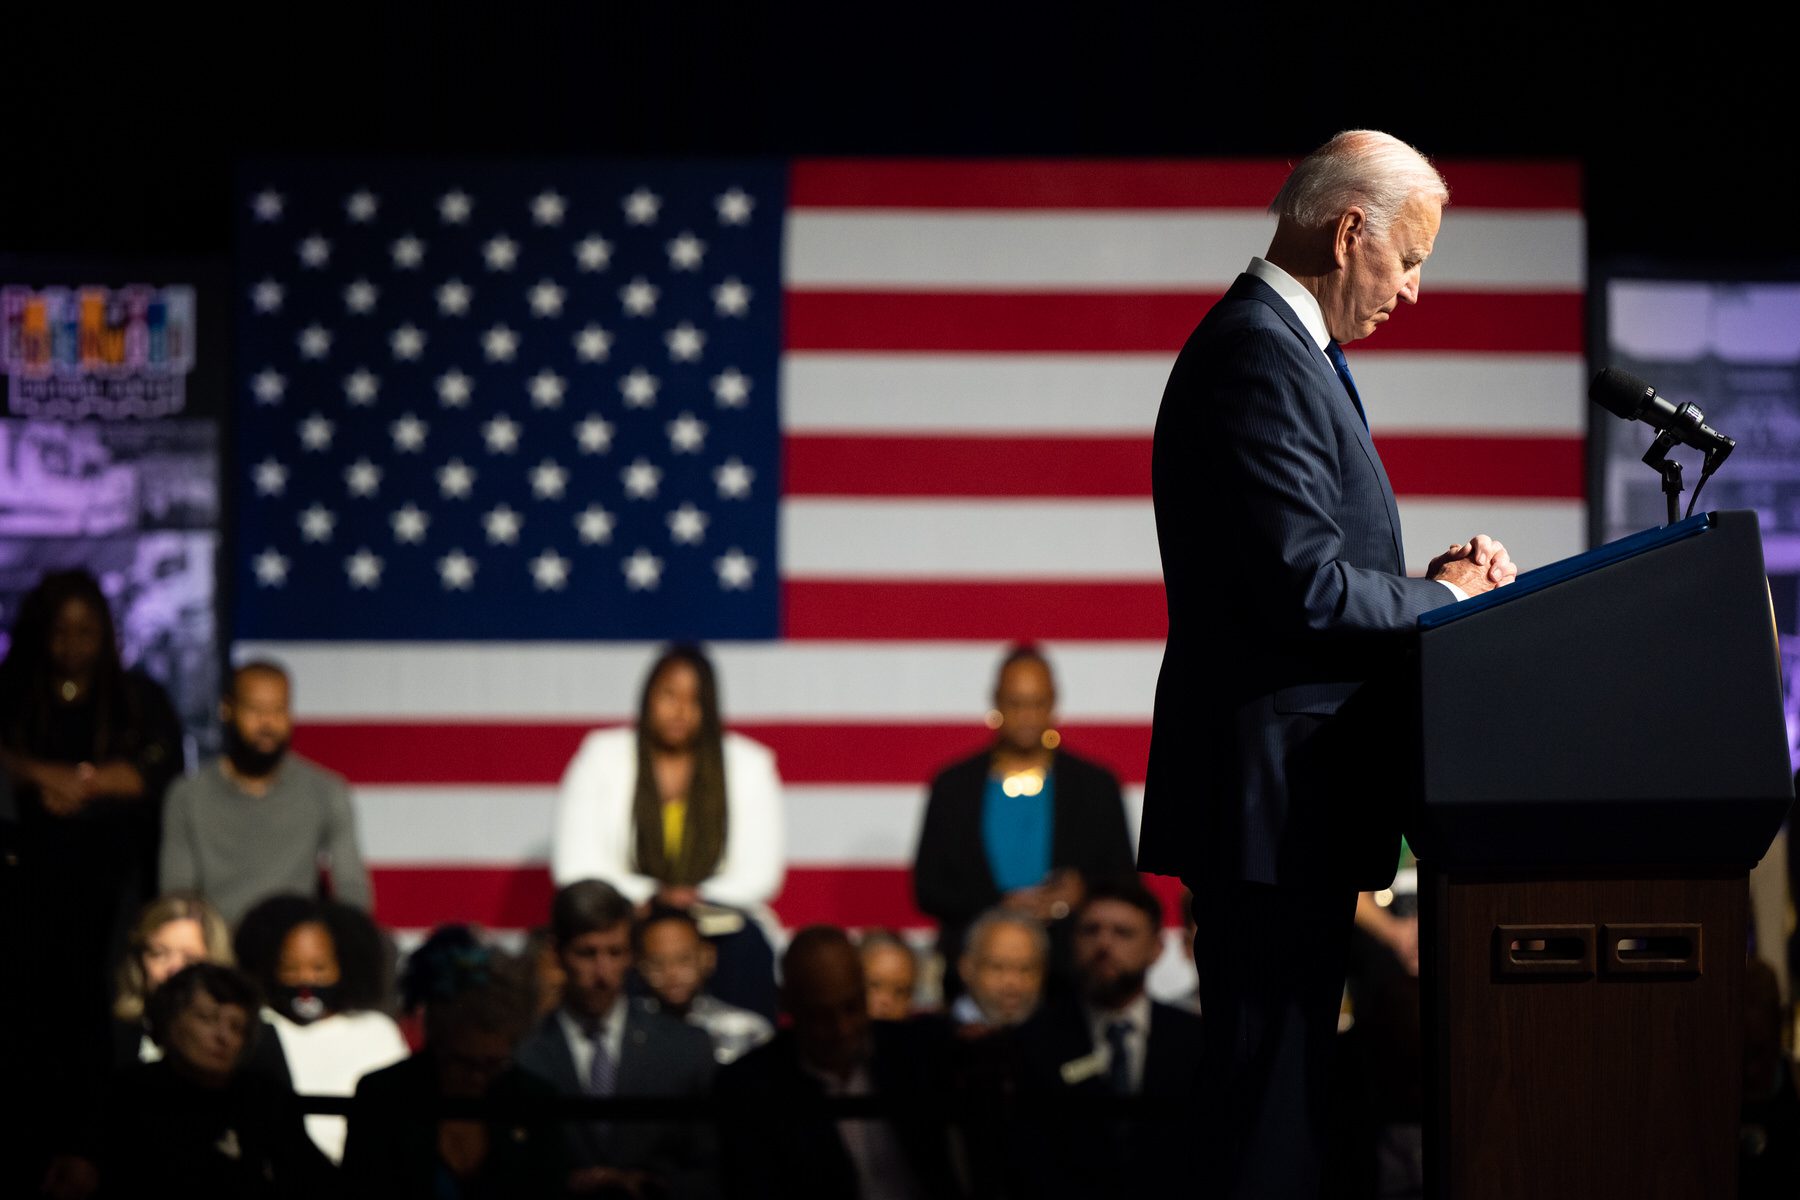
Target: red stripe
x,y
830,465
1033,183
1134,184
899,609
1419,465
1526,184
1487,466
419,897
1125,322
522,753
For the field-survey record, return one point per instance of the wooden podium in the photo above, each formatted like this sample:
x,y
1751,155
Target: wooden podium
x,y
1594,759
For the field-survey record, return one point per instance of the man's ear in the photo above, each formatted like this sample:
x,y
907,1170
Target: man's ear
x,y
1352,227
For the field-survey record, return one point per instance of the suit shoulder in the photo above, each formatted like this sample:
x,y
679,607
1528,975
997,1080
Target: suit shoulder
x,y
1085,772
959,773
1166,1020
676,1035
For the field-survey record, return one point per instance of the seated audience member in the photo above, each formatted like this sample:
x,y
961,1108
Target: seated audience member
x,y
87,748
891,970
172,933
261,820
680,812
603,1043
1111,1038
195,1124
776,1141
1023,825
675,963
321,966
477,1005
1002,969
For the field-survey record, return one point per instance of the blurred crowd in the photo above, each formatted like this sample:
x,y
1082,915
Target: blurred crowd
x,y
188,952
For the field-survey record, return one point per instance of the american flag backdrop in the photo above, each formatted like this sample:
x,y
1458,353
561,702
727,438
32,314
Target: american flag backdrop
x,y
501,428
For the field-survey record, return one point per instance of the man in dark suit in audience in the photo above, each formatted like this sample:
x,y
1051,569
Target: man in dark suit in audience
x,y
1112,1039
602,1043
778,1143
1287,588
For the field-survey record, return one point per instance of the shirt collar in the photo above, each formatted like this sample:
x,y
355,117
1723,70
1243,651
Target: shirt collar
x,y
1136,1014
1303,302
610,1026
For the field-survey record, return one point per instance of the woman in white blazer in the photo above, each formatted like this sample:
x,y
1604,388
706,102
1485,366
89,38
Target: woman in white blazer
x,y
675,812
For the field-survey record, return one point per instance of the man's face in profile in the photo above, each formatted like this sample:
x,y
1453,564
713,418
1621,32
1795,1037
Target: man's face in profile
x,y
1382,270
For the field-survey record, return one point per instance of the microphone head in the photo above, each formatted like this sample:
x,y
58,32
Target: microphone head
x,y
1621,393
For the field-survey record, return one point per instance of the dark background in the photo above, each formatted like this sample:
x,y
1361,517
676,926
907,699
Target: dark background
x,y
121,130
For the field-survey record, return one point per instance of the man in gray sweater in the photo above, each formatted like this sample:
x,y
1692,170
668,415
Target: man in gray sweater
x,y
261,820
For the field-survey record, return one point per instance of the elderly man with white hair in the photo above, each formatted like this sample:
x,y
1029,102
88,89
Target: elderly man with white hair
x,y
1287,588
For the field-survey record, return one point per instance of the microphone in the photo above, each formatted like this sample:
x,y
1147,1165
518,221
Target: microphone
x,y
1627,396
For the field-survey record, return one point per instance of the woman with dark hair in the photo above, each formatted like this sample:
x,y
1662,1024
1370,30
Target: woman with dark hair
x,y
322,966
477,1005
86,751
1023,825
679,812
196,1123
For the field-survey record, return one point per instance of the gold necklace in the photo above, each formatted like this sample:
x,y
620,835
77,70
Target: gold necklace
x,y
1028,782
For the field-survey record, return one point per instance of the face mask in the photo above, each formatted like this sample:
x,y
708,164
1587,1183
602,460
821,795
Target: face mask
x,y
304,1005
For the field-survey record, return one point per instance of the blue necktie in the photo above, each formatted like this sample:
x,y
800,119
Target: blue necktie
x,y
1118,1067
1335,353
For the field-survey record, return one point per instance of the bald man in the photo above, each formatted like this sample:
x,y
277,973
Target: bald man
x,y
831,1048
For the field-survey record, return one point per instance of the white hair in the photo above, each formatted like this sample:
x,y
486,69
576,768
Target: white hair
x,y
993,918
1363,167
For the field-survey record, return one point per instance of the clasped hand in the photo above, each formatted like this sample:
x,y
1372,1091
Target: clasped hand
x,y
1478,565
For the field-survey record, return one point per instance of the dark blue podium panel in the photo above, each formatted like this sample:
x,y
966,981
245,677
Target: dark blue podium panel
x,y
1621,707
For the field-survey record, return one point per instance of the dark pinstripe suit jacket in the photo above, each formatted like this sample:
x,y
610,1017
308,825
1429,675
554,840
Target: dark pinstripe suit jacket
x,y
1286,587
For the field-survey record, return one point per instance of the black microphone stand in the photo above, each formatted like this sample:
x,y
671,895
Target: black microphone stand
x,y
1670,470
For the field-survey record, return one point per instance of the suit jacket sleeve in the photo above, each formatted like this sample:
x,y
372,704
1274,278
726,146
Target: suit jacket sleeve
x,y
950,877
1281,466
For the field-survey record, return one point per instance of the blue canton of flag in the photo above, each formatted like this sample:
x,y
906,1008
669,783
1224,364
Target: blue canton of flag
x,y
508,401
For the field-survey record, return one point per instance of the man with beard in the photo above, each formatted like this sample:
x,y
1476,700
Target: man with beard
x,y
1111,1039
261,820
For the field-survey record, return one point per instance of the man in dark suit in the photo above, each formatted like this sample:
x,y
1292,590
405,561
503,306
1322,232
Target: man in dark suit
x,y
1287,588
600,1042
1111,1039
777,1139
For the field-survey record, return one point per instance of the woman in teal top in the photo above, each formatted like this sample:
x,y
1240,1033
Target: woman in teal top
x,y
1023,824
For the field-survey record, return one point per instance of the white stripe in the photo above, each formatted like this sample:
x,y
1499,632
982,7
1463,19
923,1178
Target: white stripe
x,y
1018,539
1098,251
827,824
1535,532
949,539
598,682
1119,394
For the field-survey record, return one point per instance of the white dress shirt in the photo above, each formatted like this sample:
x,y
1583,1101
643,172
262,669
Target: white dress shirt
x,y
1136,1014
581,1046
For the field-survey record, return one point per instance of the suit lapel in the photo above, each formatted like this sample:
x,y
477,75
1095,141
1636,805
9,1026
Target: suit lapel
x,y
636,1075
1329,376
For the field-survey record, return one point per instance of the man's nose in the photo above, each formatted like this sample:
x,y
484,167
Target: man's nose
x,y
1409,290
